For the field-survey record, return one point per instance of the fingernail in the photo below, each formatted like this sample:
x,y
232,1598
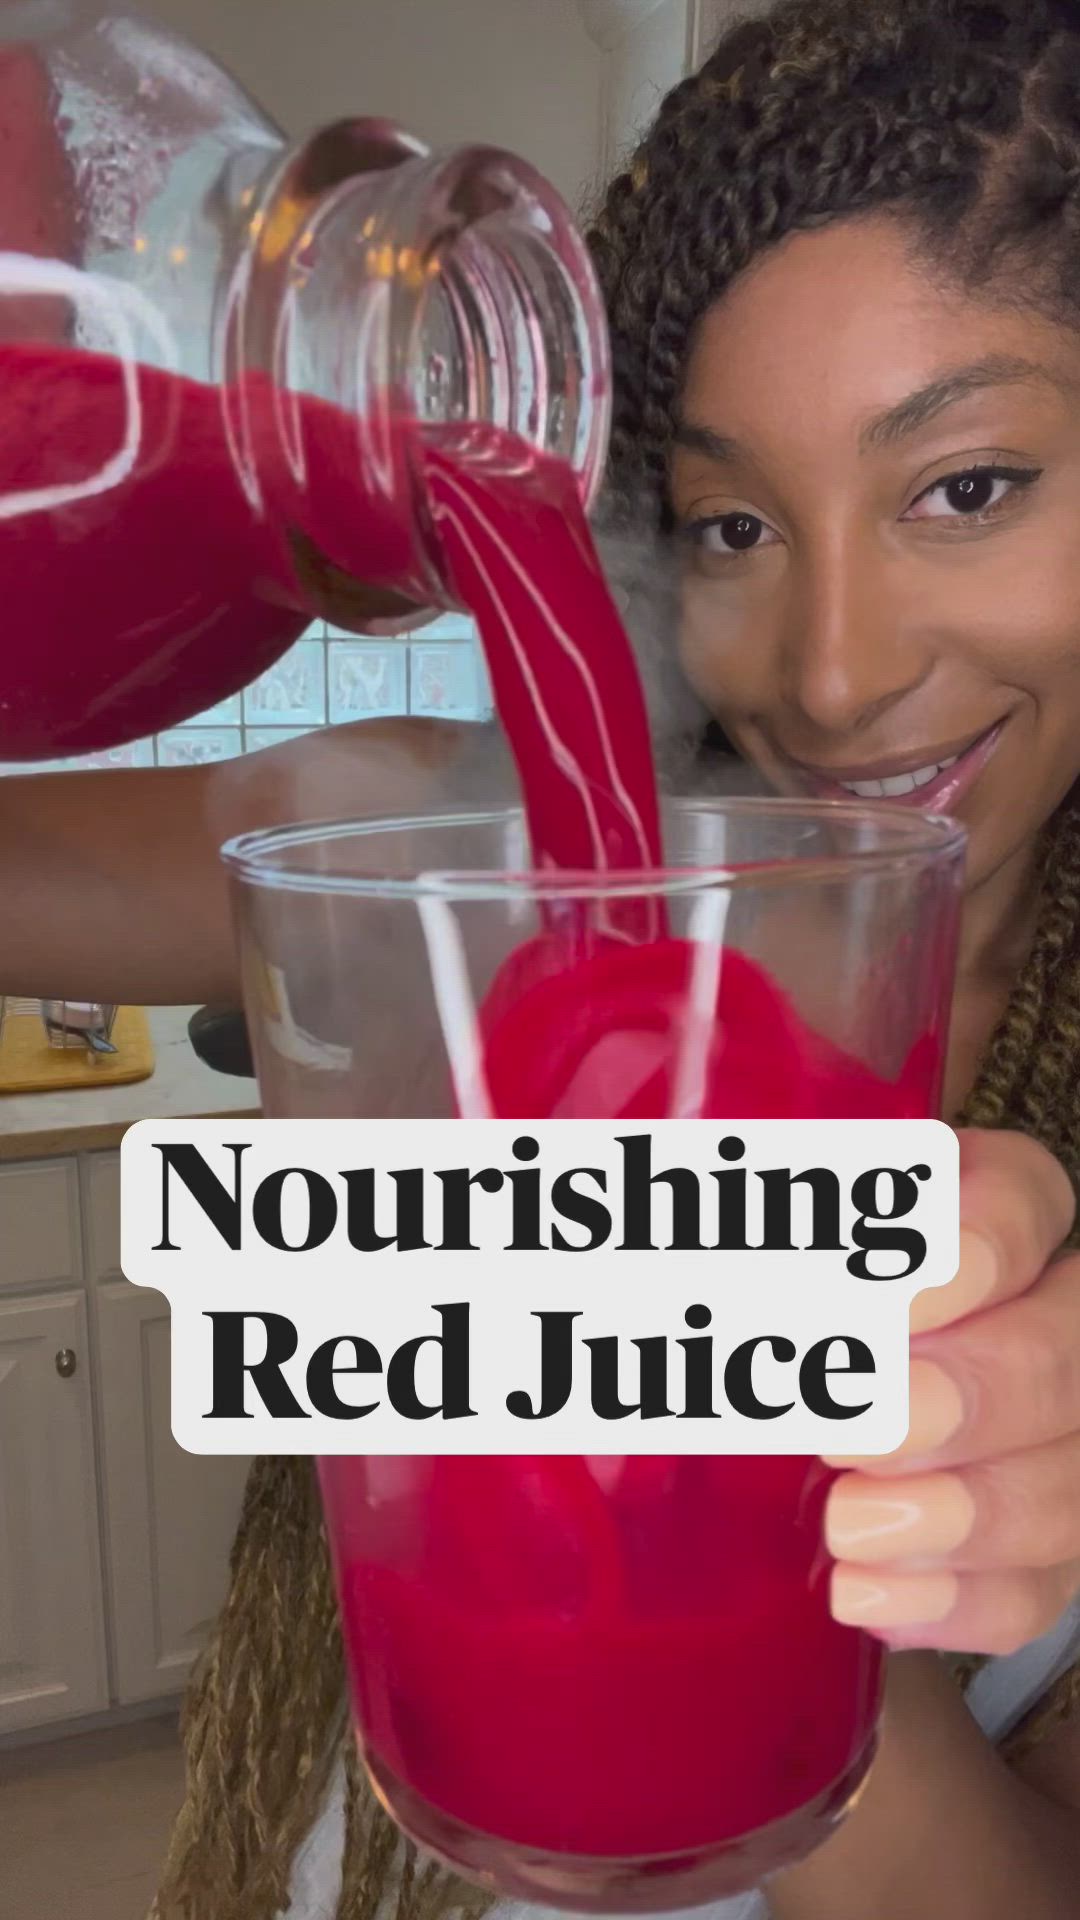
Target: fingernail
x,y
975,1283
935,1415
935,1410
902,1600
871,1521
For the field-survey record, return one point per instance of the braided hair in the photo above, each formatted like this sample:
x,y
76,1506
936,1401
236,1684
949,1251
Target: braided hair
x,y
960,118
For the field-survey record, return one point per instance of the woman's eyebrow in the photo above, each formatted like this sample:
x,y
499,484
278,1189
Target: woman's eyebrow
x,y
715,446
908,416
919,408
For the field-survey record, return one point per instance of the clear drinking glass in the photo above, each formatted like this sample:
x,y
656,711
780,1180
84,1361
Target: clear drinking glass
x,y
604,1685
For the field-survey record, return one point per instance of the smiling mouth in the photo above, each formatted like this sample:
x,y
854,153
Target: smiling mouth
x,y
937,782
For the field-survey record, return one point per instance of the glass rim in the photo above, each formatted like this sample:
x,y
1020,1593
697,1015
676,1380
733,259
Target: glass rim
x,y
913,841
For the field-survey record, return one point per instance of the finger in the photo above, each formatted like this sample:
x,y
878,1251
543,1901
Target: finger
x,y
998,1383
1022,1511
1016,1209
992,1613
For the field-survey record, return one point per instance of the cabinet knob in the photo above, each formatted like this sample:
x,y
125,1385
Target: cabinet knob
x,y
66,1363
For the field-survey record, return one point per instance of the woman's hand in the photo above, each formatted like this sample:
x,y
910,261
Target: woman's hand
x,y
968,1537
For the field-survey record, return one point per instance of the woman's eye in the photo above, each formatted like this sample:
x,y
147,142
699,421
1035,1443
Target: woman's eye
x,y
976,495
732,533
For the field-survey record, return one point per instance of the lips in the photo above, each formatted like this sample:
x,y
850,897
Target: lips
x,y
935,780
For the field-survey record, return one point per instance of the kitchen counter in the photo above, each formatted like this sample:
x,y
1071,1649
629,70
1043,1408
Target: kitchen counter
x,y
39,1125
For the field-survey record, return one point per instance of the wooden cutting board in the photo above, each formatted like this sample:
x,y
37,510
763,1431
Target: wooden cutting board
x,y
29,1065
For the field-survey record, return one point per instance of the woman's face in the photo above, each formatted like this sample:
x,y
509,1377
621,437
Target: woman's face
x,y
880,482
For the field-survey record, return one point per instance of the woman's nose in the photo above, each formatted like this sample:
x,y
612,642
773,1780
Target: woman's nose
x,y
850,649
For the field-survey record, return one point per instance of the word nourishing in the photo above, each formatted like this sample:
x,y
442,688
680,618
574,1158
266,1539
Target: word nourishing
x,y
566,1287
418,1209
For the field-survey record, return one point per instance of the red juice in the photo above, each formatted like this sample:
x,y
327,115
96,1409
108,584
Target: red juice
x,y
616,1683
611,1683
517,547
627,1660
39,201
141,590
144,600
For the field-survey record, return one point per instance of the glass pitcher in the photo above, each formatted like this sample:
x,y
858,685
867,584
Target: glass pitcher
x,y
215,352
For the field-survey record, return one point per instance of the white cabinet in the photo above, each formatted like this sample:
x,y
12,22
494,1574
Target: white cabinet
x,y
52,1639
170,1515
39,1225
114,1543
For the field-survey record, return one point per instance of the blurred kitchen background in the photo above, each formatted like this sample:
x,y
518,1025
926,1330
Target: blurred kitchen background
x,y
326,679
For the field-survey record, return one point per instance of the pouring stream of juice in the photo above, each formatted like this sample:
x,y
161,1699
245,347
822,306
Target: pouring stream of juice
x,y
652,1637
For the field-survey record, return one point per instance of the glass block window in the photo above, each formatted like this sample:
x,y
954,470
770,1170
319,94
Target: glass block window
x,y
328,678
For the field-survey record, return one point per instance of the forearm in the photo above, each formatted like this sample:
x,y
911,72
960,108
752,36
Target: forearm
x,y
111,883
944,1830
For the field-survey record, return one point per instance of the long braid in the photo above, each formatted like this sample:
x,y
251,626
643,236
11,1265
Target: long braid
x,y
963,118
265,1714
1030,1077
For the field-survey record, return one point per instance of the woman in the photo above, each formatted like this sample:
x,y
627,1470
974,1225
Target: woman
x,y
840,274
843,275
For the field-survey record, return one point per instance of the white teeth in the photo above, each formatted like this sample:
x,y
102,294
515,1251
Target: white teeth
x,y
898,783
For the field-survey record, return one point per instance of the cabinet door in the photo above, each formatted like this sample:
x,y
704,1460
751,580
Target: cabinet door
x,y
39,1226
52,1637
170,1516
